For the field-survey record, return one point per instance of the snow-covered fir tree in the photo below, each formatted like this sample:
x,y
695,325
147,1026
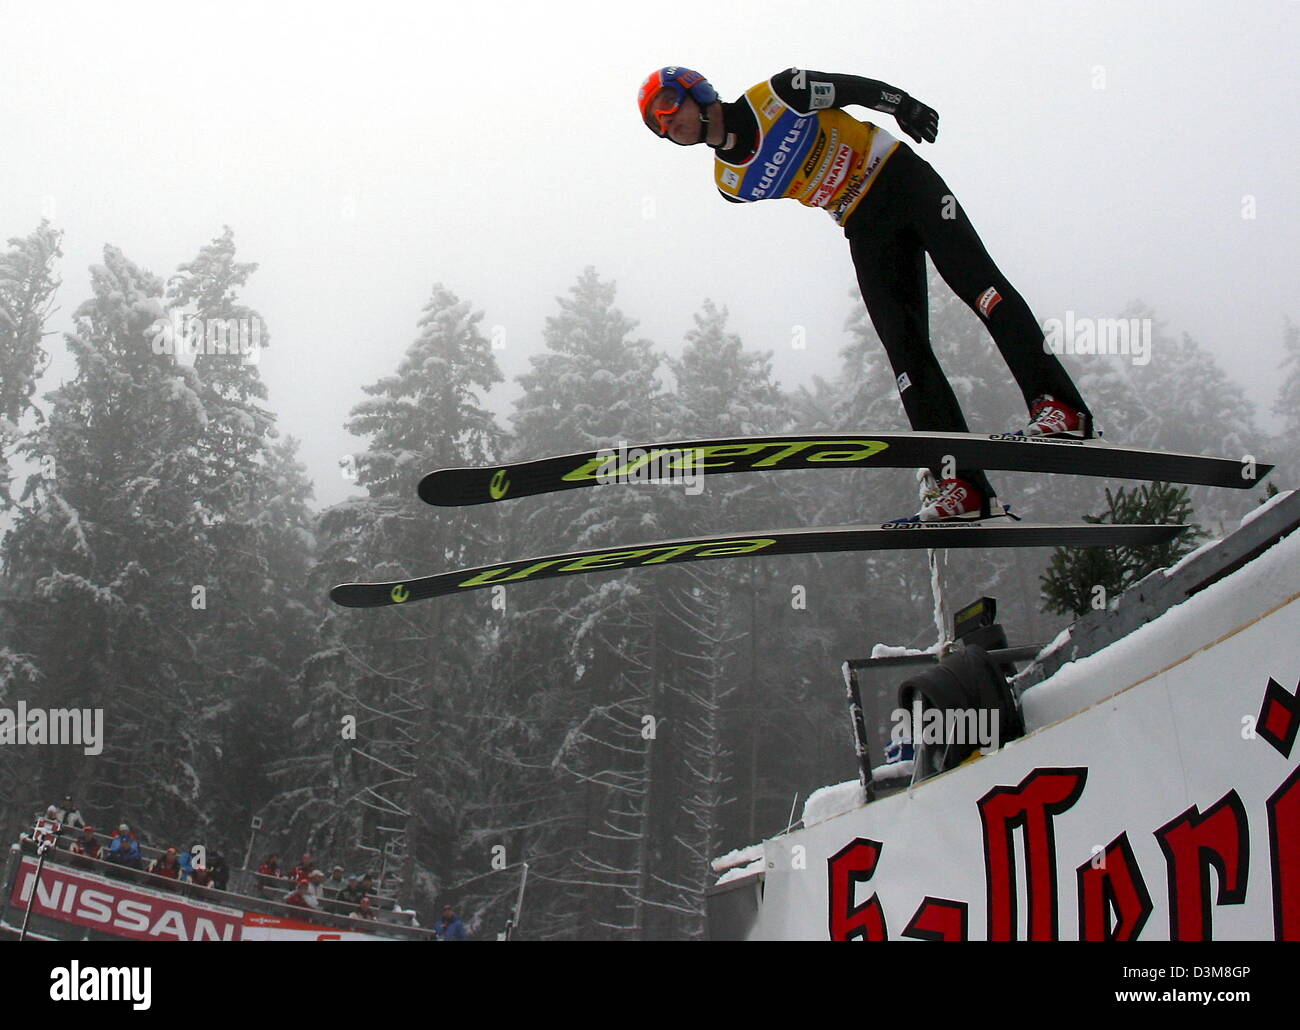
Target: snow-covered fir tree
x,y
389,794
722,390
1193,406
1287,404
251,631
108,549
142,583
27,286
585,659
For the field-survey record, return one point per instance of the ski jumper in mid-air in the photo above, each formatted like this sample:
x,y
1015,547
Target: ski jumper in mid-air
x,y
787,137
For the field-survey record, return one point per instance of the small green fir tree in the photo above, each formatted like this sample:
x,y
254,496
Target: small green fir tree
x,y
1080,579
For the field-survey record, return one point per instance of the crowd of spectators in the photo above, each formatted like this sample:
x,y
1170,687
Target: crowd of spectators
x,y
304,886
309,887
71,832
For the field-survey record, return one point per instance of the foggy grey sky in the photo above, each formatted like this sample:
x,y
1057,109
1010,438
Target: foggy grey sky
x,y
362,152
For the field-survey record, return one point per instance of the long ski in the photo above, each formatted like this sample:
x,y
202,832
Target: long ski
x,y
681,462
883,537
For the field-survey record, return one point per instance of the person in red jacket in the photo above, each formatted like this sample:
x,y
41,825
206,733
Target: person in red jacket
x,y
166,865
87,844
787,137
298,896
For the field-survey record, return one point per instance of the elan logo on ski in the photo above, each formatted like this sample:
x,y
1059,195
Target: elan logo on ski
x,y
500,485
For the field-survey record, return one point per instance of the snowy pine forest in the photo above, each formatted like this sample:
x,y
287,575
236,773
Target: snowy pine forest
x,y
165,561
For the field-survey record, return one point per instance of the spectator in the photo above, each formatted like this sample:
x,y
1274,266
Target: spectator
x,y
314,882
87,844
68,814
269,876
364,909
125,849
298,896
166,865
218,873
450,928
352,892
186,861
336,882
200,876
303,869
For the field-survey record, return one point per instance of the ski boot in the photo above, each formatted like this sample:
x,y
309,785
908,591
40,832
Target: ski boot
x,y
952,500
1050,417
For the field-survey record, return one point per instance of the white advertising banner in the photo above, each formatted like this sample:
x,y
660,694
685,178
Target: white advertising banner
x,y
129,910
122,909
258,927
1169,811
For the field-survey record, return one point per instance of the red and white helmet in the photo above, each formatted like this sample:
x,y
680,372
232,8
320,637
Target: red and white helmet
x,y
683,82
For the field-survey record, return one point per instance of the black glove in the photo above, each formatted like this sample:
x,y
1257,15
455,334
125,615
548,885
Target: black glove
x,y
917,120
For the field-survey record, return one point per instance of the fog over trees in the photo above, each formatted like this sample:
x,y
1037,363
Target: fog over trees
x,y
165,560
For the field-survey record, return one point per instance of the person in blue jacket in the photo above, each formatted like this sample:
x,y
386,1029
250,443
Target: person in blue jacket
x,y
125,849
450,928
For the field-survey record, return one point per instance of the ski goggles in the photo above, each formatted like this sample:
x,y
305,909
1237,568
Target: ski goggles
x,y
661,108
657,107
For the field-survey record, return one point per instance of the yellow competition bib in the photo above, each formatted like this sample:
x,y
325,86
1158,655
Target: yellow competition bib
x,y
827,159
